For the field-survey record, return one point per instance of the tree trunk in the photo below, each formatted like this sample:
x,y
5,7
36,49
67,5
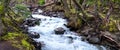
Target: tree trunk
x,y
1,28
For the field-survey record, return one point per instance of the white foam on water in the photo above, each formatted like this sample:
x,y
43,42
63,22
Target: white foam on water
x,y
58,42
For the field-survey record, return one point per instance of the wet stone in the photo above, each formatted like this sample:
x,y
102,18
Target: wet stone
x,y
31,22
34,35
94,40
70,39
59,30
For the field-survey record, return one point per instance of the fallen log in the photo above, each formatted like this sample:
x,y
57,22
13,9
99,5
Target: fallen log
x,y
111,41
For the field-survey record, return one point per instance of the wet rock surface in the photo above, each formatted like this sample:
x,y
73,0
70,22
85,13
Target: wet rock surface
x,y
34,35
94,40
109,40
31,22
50,39
59,30
91,35
37,45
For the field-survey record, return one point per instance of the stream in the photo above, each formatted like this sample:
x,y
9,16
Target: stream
x,y
54,41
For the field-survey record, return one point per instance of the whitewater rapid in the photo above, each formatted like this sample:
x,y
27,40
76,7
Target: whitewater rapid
x,y
52,41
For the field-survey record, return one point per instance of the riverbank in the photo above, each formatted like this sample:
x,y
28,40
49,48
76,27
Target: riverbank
x,y
95,27
90,33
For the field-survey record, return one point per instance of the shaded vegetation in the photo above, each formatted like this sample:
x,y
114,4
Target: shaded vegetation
x,y
12,17
41,2
18,40
101,15
96,16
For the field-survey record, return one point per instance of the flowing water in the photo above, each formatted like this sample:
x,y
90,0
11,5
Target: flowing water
x,y
59,42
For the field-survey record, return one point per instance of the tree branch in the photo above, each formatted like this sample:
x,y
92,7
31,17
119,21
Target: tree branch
x,y
82,10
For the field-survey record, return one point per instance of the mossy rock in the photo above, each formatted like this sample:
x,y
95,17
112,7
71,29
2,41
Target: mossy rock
x,y
18,40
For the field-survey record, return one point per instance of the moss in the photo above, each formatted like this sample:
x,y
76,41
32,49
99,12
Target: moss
x,y
10,36
1,8
10,25
26,44
20,20
112,26
19,40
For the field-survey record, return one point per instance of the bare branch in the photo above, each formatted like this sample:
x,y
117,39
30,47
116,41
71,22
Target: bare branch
x,y
109,12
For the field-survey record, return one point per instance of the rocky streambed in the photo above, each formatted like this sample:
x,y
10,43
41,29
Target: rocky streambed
x,y
52,34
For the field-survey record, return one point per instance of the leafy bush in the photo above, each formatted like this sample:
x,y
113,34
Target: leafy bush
x,y
41,2
22,9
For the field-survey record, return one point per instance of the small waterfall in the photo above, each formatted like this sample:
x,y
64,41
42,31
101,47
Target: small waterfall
x,y
52,41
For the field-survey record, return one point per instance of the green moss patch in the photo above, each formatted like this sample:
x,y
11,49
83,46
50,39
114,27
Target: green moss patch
x,y
18,40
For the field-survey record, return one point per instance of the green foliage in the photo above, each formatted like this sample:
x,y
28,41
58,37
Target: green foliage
x,y
10,36
11,19
26,44
90,2
1,8
9,24
20,20
73,10
22,9
111,26
18,40
116,1
41,2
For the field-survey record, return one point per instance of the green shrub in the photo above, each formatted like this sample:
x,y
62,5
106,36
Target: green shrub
x,y
22,9
41,2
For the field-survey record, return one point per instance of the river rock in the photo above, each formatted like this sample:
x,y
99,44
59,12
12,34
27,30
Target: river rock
x,y
31,22
59,30
70,40
83,38
37,45
94,40
34,35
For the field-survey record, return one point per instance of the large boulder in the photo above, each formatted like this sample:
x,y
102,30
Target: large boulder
x,y
59,30
34,35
